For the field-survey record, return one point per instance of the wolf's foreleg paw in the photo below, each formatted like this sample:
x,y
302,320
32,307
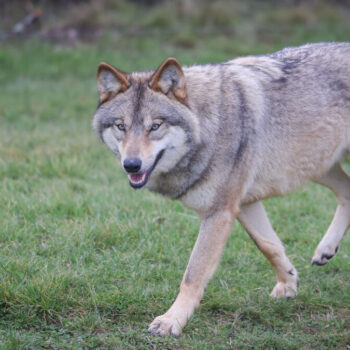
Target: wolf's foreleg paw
x,y
323,255
284,290
165,325
288,288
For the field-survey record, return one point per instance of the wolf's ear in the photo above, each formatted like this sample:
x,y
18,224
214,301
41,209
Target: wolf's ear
x,y
110,81
169,77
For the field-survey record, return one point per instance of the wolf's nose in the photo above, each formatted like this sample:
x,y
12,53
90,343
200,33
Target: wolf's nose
x,y
132,165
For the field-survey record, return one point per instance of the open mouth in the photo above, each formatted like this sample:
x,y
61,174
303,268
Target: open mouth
x,y
138,180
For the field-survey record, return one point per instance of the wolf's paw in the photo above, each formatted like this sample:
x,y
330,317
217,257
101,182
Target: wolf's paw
x,y
164,325
322,255
288,289
284,290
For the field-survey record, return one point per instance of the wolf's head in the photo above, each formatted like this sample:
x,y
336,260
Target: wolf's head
x,y
145,119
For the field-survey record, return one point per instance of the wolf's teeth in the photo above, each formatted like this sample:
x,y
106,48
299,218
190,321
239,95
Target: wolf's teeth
x,y
137,178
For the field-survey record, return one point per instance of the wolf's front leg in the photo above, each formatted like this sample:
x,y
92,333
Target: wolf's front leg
x,y
254,219
205,256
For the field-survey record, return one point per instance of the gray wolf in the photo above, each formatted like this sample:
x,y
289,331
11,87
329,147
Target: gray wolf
x,y
222,137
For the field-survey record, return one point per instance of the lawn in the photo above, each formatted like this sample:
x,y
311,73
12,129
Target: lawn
x,y
88,262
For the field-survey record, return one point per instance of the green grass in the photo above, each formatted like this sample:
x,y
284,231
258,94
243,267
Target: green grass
x,y
87,262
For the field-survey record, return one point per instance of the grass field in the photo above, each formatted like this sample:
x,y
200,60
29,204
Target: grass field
x,y
87,262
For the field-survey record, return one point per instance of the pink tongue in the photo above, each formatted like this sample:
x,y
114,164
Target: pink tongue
x,y
136,177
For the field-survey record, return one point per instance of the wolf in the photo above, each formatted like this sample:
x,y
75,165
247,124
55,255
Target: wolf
x,y
222,137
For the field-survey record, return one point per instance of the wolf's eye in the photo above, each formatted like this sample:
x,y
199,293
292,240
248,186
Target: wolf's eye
x,y
120,126
155,126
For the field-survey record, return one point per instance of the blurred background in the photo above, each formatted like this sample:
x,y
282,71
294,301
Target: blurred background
x,y
233,27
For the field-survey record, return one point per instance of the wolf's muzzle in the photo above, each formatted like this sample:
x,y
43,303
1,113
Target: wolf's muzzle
x,y
132,165
139,179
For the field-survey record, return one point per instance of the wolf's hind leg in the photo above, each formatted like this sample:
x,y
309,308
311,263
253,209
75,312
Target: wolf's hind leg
x,y
254,219
339,182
